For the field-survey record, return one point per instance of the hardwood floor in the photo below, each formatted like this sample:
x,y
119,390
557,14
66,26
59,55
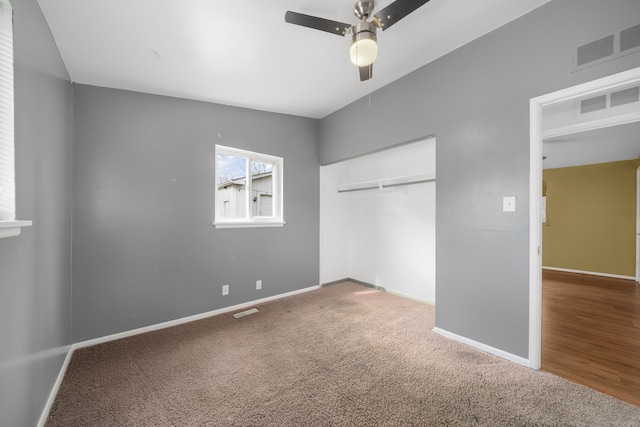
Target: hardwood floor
x,y
591,332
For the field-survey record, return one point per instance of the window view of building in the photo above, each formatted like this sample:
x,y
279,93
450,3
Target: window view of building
x,y
232,196
248,186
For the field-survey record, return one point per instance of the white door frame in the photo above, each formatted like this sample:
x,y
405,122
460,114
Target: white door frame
x,y
638,225
535,192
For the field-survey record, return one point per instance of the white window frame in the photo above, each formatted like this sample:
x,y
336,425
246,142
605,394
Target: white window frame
x,y
9,226
277,219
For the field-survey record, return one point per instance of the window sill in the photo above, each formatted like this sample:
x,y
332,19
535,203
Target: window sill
x,y
12,228
249,224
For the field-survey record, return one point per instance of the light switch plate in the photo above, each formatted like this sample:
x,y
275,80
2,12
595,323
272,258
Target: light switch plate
x,y
509,204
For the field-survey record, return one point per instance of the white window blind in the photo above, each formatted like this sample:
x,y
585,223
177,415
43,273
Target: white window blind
x,y
7,171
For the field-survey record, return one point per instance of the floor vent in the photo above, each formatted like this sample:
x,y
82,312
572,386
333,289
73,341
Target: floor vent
x,y
245,313
607,48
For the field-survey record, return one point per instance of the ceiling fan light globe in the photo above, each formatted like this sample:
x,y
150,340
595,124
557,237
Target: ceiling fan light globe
x,y
363,52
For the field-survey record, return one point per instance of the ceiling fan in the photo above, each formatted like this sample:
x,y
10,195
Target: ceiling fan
x,y
364,46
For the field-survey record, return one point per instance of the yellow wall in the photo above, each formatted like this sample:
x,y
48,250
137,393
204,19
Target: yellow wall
x,y
591,212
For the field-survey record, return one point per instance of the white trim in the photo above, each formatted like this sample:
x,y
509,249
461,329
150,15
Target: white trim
x,y
12,228
619,119
638,225
604,84
589,273
187,319
535,236
608,83
480,346
277,219
16,223
248,224
55,388
411,297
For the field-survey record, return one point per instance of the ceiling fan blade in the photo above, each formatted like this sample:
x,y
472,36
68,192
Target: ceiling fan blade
x,y
333,27
396,11
366,72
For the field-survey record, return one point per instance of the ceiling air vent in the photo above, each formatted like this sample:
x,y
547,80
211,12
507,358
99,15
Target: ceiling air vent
x,y
626,96
596,50
609,47
630,38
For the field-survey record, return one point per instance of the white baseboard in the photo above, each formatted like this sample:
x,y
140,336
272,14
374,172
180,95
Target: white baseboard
x,y
591,273
55,388
380,288
350,279
187,319
480,346
150,328
411,297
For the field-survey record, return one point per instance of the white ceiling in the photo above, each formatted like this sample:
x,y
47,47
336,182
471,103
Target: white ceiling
x,y
610,144
242,53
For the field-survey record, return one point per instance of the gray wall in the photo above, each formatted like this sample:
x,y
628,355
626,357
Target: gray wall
x,y
35,268
145,250
144,247
476,101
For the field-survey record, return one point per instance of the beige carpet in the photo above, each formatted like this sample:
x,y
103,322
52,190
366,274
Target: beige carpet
x,y
345,355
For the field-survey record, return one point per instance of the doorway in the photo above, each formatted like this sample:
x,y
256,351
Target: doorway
x,y
610,83
377,219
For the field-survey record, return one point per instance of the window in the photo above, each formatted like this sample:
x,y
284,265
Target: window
x,y
7,174
9,227
248,189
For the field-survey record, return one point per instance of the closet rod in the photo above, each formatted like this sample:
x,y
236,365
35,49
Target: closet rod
x,y
387,183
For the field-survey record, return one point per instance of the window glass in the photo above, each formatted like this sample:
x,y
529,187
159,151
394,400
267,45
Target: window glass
x,y
262,189
248,188
232,186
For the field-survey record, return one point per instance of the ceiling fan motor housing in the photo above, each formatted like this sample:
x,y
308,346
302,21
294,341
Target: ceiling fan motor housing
x,y
363,9
364,30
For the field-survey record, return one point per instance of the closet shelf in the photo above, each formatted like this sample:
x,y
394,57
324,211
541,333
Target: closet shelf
x,y
388,182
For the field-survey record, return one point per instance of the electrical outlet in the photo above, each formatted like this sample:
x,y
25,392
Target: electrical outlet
x,y
258,284
225,290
